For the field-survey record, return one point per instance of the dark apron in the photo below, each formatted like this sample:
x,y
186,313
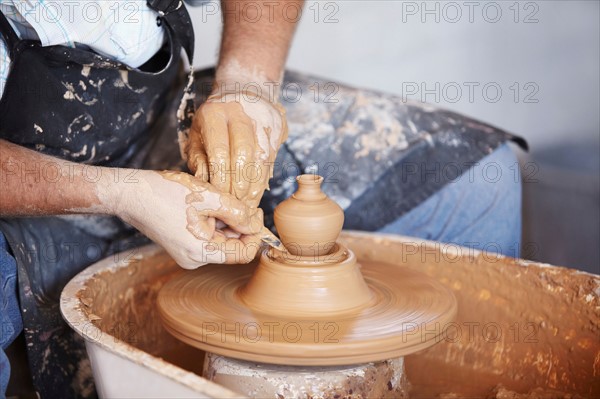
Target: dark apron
x,y
77,105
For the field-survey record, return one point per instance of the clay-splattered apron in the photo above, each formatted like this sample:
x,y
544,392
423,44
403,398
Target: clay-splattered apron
x,y
77,105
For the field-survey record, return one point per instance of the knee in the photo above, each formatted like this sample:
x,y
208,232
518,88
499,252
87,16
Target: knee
x,y
493,203
480,209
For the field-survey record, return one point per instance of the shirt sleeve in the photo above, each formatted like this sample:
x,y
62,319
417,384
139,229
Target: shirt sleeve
x,y
126,31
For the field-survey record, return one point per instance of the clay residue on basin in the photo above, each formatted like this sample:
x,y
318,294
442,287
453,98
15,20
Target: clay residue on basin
x,y
548,318
121,302
523,325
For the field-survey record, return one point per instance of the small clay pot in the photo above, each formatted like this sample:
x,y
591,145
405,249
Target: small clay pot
x,y
309,222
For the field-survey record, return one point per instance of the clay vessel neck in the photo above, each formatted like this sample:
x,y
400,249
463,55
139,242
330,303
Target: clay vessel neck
x,y
309,188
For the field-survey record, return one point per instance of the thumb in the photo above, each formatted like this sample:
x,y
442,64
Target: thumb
x,y
237,215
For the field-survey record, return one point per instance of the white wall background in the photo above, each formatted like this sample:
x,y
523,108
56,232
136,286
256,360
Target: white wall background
x,y
546,52
396,46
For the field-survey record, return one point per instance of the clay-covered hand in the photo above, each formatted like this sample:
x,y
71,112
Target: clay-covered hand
x,y
185,215
233,143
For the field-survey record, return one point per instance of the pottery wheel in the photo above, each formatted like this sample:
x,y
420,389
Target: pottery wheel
x,y
408,311
312,305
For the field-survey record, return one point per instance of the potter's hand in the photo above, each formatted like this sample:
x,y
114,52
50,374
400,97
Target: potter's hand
x,y
181,213
233,143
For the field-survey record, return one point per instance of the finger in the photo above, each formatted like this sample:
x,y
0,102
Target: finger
x,y
242,141
237,215
284,125
241,250
230,233
201,226
209,252
197,160
218,235
215,136
259,183
222,249
225,230
267,160
220,225
188,263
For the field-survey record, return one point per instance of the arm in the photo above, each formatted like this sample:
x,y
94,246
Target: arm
x,y
255,51
236,134
34,184
174,209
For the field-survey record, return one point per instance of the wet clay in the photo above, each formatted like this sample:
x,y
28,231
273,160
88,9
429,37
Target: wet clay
x,y
203,200
315,309
193,225
256,128
308,222
206,309
328,285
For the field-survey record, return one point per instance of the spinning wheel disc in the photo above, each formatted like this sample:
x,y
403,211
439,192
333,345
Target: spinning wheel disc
x,y
407,312
313,310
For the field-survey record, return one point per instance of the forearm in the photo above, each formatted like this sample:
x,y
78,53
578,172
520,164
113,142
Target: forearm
x,y
174,209
33,184
255,49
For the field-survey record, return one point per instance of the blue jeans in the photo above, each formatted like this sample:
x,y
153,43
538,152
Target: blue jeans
x,y
481,209
10,314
